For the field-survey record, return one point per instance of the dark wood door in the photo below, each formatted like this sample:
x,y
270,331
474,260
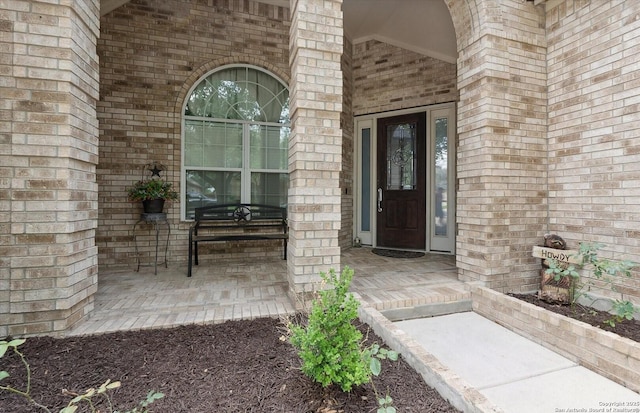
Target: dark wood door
x,y
401,201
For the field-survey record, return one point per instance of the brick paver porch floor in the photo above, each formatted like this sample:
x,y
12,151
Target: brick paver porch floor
x,y
128,300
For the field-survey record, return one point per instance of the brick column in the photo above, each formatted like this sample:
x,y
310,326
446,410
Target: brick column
x,y
48,155
502,150
315,146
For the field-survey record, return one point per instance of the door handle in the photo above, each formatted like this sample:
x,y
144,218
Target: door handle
x,y
379,199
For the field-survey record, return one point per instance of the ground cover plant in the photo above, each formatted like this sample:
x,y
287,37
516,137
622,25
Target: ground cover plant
x,y
239,366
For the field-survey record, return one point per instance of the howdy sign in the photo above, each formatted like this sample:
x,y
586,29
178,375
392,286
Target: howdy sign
x,y
558,255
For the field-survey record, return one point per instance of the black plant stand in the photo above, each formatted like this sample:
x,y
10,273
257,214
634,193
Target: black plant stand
x,y
156,220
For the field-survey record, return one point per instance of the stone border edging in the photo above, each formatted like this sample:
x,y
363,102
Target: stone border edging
x,y
606,353
453,388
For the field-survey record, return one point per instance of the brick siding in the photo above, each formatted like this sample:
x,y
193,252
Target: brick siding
x,y
150,56
502,159
315,146
548,103
594,128
386,78
48,153
345,237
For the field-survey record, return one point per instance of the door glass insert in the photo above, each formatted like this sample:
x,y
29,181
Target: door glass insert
x,y
401,162
441,167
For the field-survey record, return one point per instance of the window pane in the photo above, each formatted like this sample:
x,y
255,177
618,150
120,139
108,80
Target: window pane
x,y
269,147
228,156
401,146
193,143
213,144
240,93
441,166
366,180
222,145
269,188
211,187
196,105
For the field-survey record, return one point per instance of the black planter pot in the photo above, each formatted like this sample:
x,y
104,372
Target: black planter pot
x,y
153,206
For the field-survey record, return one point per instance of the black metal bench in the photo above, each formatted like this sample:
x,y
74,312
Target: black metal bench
x,y
237,222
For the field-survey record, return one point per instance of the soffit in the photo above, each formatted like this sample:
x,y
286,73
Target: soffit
x,y
423,26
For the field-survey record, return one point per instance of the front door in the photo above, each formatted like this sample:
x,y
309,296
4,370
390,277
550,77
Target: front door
x,y
401,182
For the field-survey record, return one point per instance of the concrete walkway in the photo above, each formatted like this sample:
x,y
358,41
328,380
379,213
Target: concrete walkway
x,y
513,373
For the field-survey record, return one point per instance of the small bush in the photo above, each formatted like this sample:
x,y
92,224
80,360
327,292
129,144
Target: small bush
x,y
330,345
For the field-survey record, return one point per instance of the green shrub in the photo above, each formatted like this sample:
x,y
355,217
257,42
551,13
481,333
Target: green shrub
x,y
330,345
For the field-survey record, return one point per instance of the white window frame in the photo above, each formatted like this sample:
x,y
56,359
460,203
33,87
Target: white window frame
x,y
245,170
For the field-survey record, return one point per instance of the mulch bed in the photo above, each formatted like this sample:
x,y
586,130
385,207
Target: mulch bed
x,y
626,328
238,366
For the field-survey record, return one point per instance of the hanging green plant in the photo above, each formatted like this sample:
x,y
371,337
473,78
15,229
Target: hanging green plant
x,y
149,189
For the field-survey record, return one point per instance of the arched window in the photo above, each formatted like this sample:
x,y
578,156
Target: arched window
x,y
235,139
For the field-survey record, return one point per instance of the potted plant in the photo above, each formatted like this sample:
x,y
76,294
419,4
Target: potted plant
x,y
153,193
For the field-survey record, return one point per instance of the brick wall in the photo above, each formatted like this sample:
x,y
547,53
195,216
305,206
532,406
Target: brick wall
x,y
594,113
547,122
315,146
502,159
48,152
346,175
9,93
387,78
151,53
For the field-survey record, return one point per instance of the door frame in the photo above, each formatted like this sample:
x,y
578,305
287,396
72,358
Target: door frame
x,y
369,122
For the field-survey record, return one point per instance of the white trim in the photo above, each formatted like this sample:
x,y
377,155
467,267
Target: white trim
x,y
231,66
365,236
439,243
372,119
245,178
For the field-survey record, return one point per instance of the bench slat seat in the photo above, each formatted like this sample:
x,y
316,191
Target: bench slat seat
x,y
237,222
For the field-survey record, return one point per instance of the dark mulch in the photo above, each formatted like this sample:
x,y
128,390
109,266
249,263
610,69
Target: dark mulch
x,y
626,328
239,366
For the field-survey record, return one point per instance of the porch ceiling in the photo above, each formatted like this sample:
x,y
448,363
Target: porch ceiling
x,y
423,26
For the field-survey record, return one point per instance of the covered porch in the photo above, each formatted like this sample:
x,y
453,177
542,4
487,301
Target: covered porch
x,y
217,292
